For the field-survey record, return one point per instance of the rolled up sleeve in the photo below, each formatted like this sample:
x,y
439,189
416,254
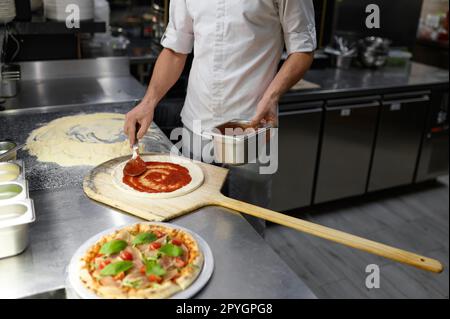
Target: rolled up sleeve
x,y
298,23
179,34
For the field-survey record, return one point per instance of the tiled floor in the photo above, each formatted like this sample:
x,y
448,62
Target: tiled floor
x,y
415,218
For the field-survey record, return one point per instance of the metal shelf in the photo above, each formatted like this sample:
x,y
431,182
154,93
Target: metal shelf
x,y
44,27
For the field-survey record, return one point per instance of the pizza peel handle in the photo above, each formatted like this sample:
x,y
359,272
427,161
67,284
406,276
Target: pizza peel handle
x,y
334,235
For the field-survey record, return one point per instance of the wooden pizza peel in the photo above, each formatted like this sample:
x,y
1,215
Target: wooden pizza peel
x,y
99,186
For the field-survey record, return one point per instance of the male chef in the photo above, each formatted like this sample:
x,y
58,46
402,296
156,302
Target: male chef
x,y
237,47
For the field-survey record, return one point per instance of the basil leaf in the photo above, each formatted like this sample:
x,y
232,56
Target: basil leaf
x,y
132,284
116,268
171,250
113,247
153,268
144,238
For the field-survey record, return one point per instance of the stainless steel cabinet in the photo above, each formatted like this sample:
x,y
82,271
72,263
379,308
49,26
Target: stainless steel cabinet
x,y
401,125
434,159
347,144
298,139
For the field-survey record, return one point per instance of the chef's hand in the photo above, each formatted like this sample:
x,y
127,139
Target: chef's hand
x,y
266,112
142,114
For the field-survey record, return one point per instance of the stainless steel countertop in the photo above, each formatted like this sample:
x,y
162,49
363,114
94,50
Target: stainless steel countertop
x,y
48,84
55,92
245,265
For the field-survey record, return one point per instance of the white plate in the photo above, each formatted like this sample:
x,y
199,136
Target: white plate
x,y
73,277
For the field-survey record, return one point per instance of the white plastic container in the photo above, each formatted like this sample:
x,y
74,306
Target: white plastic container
x,y
15,219
13,191
12,171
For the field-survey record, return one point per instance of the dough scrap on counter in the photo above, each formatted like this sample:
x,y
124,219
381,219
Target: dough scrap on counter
x,y
86,139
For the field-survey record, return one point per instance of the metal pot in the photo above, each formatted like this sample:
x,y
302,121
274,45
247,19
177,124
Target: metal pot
x,y
373,52
236,149
341,61
10,80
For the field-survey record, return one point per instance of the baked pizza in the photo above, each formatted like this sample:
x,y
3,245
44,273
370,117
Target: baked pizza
x,y
142,261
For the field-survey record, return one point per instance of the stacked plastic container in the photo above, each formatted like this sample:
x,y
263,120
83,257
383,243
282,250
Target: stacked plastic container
x,y
16,208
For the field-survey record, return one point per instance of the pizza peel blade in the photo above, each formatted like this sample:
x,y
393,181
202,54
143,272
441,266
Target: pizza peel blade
x,y
208,194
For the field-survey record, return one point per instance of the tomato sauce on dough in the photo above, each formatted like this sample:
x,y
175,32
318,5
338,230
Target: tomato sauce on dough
x,y
160,177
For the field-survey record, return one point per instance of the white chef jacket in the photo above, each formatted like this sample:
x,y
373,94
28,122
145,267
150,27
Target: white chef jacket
x,y
237,48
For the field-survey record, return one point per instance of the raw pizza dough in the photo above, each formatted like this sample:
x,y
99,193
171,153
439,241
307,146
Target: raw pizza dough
x,y
194,170
86,139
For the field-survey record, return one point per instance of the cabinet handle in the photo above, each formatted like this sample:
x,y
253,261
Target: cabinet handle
x,y
316,110
354,106
424,98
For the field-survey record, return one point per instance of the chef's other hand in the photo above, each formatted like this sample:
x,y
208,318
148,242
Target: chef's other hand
x,y
142,114
266,112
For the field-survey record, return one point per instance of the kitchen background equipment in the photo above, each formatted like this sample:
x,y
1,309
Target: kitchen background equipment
x,y
298,144
434,158
56,9
6,146
23,10
373,51
76,289
102,12
399,58
341,61
398,20
401,120
237,149
346,150
10,76
98,185
15,219
341,52
35,5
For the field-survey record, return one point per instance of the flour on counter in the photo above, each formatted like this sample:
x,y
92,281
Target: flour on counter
x,y
86,139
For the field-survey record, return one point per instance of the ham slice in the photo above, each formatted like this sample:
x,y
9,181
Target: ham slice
x,y
170,274
166,262
109,282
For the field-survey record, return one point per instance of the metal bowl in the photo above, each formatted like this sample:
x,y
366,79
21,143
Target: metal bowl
x,y
373,51
5,146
